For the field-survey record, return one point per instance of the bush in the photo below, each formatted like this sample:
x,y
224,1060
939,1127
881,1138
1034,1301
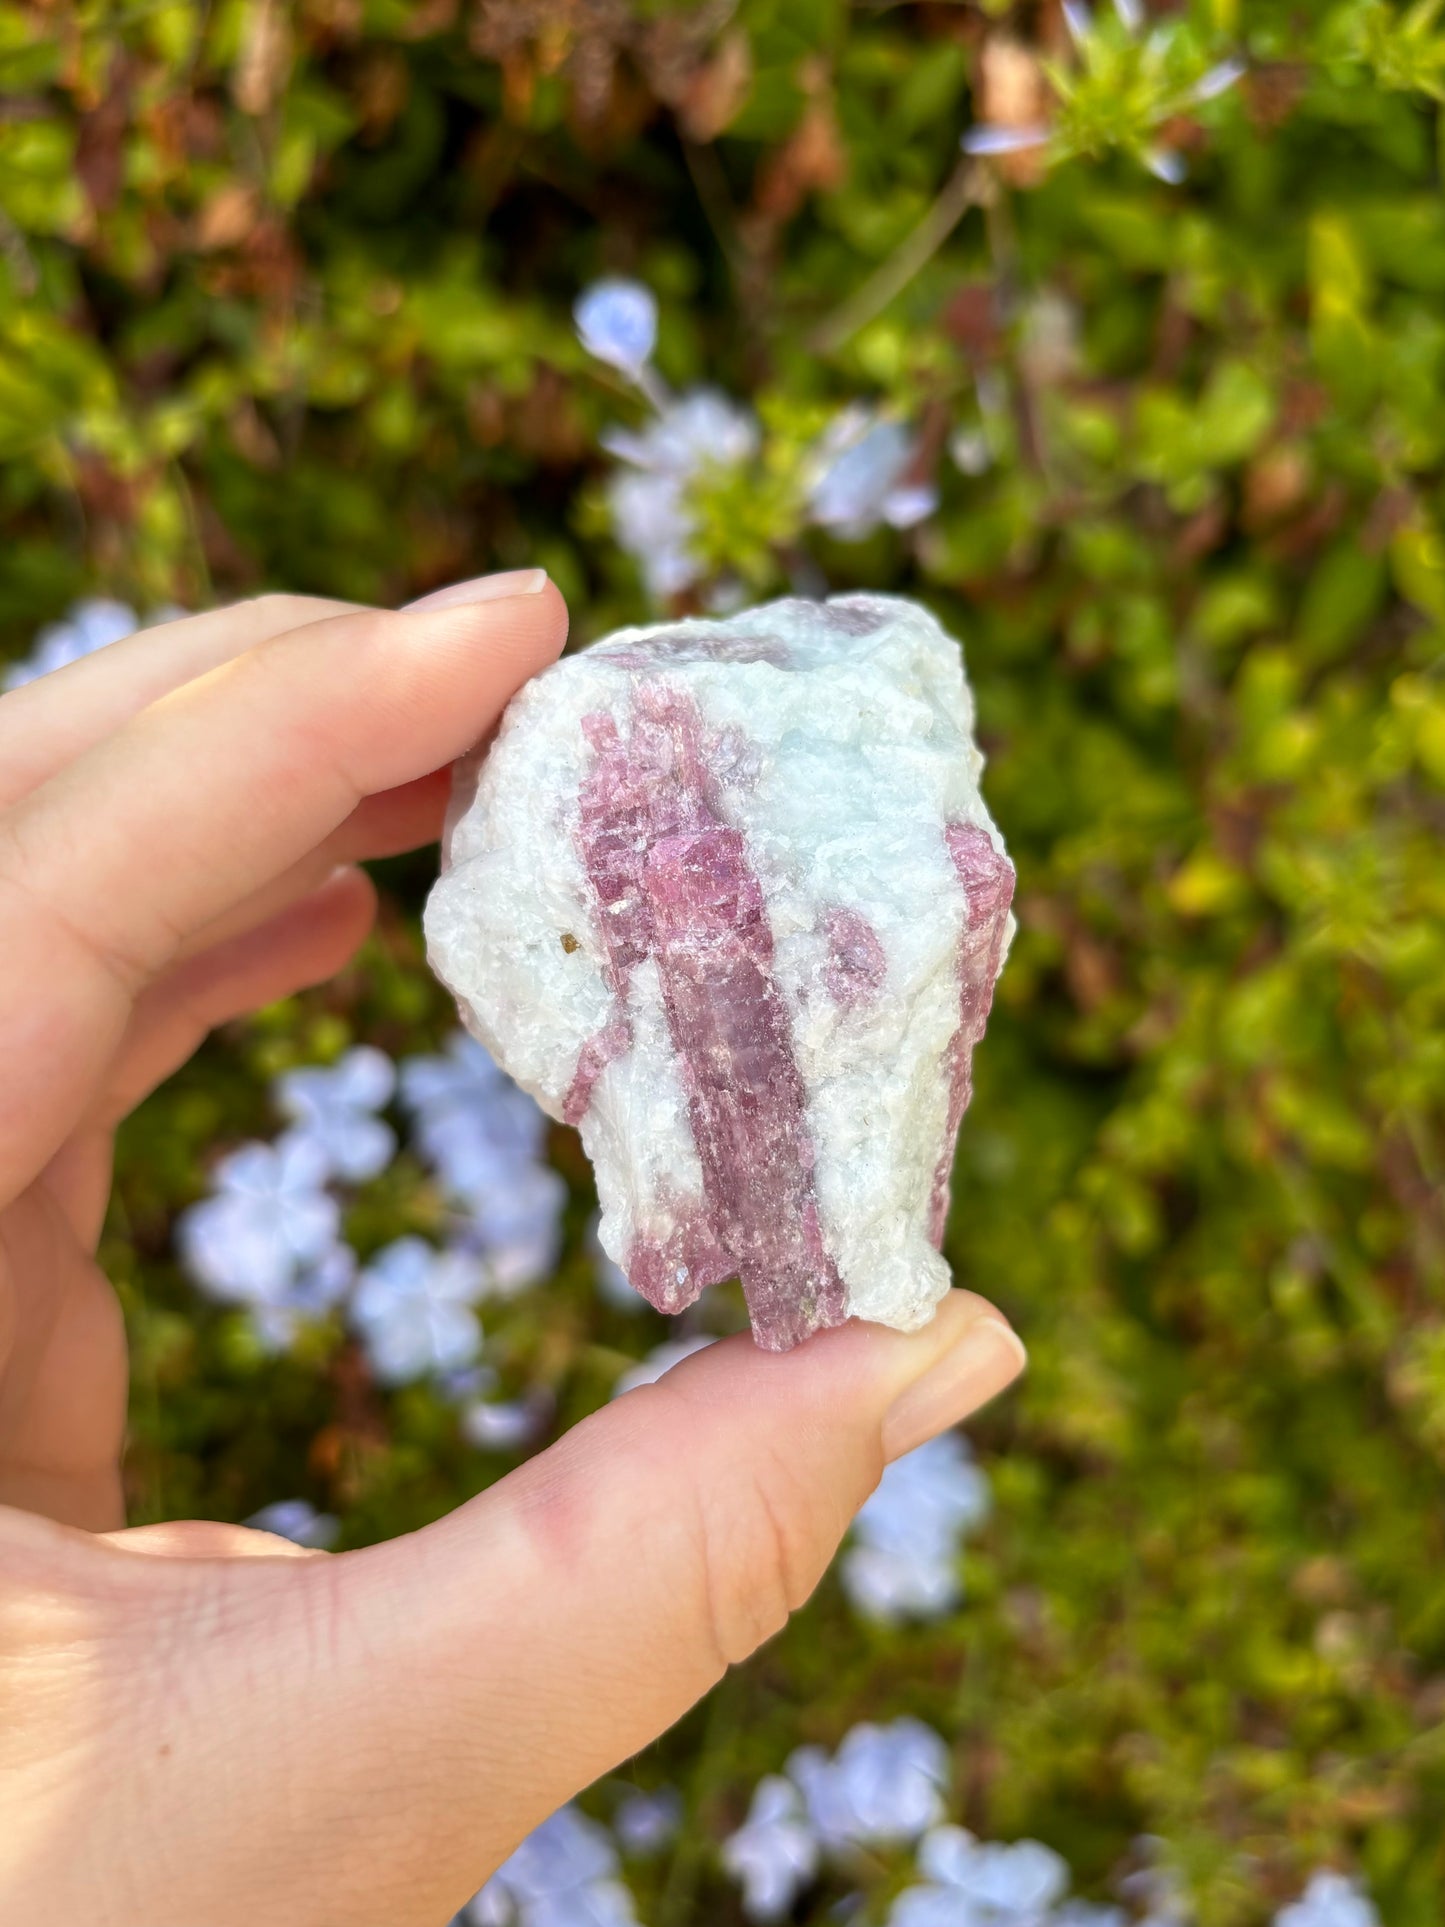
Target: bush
x,y
287,301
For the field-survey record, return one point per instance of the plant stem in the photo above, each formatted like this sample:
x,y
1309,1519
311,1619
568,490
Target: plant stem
x,y
968,186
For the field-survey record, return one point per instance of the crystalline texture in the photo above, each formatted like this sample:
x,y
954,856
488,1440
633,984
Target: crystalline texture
x,y
724,896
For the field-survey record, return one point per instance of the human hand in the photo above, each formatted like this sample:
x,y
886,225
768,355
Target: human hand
x,y
195,1713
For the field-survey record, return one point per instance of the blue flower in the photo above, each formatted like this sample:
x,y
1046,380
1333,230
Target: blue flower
x,y
700,429
565,1874
1154,1886
470,1123
775,1854
1165,165
660,1359
1220,78
267,1222
653,523
503,1425
483,1137
412,1308
307,1299
470,1149
606,1903
566,1852
334,1110
860,466
884,1788
1330,1900
909,504
617,322
987,139
1004,1886
646,1822
652,517
884,1785
516,1228
89,626
903,1562
297,1521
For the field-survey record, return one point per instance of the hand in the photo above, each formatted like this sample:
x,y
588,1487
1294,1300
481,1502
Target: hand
x,y
200,1722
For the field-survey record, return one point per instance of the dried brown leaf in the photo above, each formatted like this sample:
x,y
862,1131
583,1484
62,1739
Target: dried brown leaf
x,y
226,218
718,90
1013,93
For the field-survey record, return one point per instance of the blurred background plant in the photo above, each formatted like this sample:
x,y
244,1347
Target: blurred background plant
x,y
1116,336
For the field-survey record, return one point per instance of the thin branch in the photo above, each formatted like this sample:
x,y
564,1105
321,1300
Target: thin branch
x,y
968,186
710,184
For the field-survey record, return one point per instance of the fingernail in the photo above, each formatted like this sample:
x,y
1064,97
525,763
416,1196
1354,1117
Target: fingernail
x,y
988,1356
483,588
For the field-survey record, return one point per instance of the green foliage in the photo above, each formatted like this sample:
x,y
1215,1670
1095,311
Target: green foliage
x,y
284,300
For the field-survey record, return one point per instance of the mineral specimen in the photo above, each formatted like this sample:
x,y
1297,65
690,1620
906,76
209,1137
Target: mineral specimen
x,y
724,895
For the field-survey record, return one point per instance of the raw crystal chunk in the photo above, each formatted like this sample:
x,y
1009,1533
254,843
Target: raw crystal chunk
x,y
724,895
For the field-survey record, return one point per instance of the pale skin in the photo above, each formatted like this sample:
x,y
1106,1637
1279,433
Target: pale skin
x,y
199,1722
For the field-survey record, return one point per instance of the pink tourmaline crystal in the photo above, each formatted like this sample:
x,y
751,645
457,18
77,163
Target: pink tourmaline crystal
x,y
673,884
724,896
988,884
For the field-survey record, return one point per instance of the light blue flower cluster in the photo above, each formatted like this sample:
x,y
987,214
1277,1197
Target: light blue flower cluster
x,y
491,1423
903,1560
883,1787
335,1111
565,1874
1330,1900
886,1787
88,626
300,1522
775,1855
1014,1885
414,1309
483,1139
269,1237
860,473
646,1823
860,476
652,515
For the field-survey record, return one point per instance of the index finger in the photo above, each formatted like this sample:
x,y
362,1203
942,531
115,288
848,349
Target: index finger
x,y
201,798
49,722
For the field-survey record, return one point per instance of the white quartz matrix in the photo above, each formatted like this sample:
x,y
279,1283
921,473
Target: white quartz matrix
x,y
725,896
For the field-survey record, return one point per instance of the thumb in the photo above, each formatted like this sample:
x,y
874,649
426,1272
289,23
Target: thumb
x,y
532,1640
418,1707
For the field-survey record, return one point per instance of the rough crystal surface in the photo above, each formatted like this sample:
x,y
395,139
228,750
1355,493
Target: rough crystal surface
x,y
724,895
